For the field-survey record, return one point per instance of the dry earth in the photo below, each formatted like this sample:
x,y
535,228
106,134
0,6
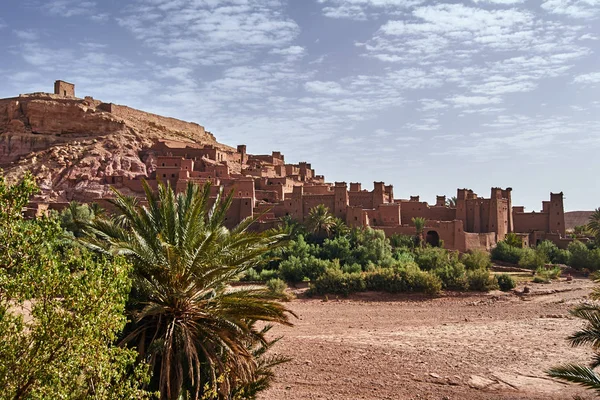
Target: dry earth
x,y
474,346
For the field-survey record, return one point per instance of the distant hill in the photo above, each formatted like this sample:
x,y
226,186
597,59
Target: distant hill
x,y
577,218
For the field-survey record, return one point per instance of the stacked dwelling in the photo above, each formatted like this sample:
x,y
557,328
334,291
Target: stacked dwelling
x,y
265,185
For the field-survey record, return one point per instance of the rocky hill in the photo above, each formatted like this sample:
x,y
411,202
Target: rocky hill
x,y
72,144
577,218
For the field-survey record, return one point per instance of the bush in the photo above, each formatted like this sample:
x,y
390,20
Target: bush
x,y
505,282
532,259
402,241
476,259
277,287
507,253
351,268
430,258
562,256
452,276
403,281
251,276
582,257
481,280
268,274
334,281
513,240
292,270
545,275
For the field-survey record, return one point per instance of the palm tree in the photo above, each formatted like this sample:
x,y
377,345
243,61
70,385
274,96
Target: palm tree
x,y
451,201
193,329
419,226
594,224
590,334
339,228
320,221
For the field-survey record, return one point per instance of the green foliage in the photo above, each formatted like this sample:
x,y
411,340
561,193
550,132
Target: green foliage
x,y
61,309
506,282
481,280
431,258
75,218
507,253
532,259
184,259
512,239
277,287
588,335
582,257
267,275
334,281
402,241
593,225
403,281
320,222
452,275
476,259
546,275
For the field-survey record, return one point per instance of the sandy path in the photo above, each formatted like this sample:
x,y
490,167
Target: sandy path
x,y
475,346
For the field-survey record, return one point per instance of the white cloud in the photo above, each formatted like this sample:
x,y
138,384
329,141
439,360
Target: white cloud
x,y
362,9
573,8
326,88
470,101
26,35
591,78
212,32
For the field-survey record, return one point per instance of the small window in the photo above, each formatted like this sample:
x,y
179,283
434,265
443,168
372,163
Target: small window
x,y
164,175
172,175
163,164
356,218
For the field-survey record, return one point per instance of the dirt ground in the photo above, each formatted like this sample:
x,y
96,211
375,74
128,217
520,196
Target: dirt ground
x,y
458,346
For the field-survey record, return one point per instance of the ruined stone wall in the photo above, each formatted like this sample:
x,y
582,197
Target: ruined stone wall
x,y
190,130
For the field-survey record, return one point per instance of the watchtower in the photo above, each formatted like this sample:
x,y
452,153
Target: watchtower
x,y
65,89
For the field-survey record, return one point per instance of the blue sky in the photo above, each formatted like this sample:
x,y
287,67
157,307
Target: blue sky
x,y
426,95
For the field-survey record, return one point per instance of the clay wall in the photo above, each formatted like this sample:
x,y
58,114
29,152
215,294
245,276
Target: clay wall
x,y
529,222
317,189
270,196
384,215
362,199
312,200
356,217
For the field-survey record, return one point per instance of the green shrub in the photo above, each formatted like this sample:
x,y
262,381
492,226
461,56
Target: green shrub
x,y
583,257
453,276
351,268
430,258
250,276
292,269
402,241
268,274
562,256
403,281
481,280
545,275
505,282
476,259
507,253
334,281
513,240
532,259
277,287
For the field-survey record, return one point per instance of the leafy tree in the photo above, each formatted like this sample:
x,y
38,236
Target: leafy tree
x,y
320,222
76,217
512,239
339,228
419,226
61,309
194,330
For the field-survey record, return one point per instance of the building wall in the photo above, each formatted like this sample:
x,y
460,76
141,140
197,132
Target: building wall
x,y
65,89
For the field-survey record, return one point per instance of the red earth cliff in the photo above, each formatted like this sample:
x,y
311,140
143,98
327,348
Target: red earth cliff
x,y
71,144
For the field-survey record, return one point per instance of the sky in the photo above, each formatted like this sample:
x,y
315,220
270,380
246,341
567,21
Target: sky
x,y
429,96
